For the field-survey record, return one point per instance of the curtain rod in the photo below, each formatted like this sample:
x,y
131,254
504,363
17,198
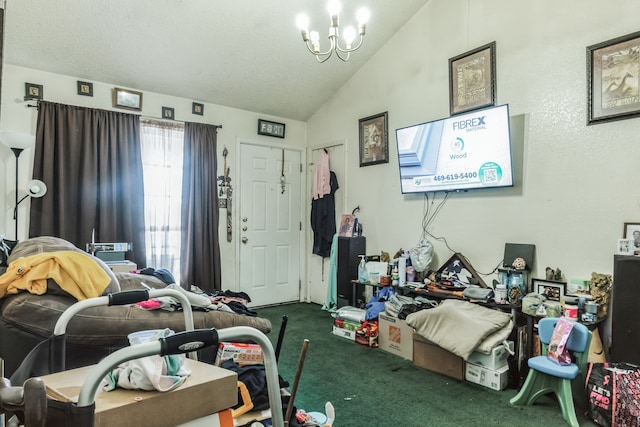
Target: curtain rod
x,y
144,117
172,121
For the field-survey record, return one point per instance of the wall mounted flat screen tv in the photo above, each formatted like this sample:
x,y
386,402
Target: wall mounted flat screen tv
x,y
463,152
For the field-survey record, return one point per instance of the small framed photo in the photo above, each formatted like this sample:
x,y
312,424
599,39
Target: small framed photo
x,y
197,109
613,91
472,79
346,225
374,140
550,289
128,99
85,88
625,247
632,232
268,128
32,92
168,113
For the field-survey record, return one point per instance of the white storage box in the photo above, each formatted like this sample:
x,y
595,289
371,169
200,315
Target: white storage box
x,y
490,378
495,360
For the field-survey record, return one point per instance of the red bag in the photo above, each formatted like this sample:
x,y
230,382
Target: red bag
x,y
557,350
613,393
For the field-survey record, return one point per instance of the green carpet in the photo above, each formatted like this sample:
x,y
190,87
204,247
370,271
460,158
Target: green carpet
x,y
371,387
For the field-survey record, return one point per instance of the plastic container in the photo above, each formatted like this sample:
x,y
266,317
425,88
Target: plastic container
x,y
500,294
363,275
141,337
571,312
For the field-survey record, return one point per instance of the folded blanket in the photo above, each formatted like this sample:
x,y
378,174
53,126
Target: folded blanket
x,y
459,326
74,272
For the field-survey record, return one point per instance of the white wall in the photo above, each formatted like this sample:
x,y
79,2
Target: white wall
x,y
578,183
16,116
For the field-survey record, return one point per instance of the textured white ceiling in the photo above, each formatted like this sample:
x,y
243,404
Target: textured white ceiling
x,y
242,54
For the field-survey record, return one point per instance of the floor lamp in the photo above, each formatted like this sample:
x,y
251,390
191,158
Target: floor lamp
x,y
35,188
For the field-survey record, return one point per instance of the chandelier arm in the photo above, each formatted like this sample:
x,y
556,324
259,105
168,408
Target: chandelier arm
x,y
310,48
339,54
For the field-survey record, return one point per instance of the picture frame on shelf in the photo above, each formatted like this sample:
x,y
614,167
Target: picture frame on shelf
x,y
613,91
632,232
472,79
127,99
551,289
374,139
346,225
268,128
625,247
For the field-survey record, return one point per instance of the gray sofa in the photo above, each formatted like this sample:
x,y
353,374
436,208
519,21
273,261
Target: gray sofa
x,y
27,319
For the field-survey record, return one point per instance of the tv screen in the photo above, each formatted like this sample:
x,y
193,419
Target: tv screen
x,y
462,152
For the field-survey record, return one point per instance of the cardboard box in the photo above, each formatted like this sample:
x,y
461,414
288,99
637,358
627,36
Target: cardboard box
x,y
347,324
395,336
208,390
430,356
122,266
495,379
496,359
241,353
344,333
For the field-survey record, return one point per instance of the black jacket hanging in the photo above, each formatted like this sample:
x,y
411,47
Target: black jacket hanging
x,y
323,220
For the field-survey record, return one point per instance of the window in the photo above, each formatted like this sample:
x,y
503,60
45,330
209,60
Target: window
x,y
161,146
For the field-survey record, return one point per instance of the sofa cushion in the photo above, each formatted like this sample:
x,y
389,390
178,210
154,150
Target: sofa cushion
x,y
38,245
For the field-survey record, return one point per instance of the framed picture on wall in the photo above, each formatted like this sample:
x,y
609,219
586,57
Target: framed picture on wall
x,y
632,232
613,90
472,79
374,140
125,98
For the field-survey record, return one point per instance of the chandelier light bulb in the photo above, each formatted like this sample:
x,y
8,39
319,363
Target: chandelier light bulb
x,y
302,22
334,7
362,15
349,35
315,37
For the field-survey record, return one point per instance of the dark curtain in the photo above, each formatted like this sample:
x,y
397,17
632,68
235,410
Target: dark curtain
x,y
91,163
200,258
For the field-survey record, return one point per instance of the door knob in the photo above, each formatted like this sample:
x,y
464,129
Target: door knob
x,y
245,240
244,219
244,228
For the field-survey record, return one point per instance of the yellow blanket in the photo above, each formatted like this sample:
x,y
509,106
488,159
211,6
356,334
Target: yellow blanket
x,y
75,273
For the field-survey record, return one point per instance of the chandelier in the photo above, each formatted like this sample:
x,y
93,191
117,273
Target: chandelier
x,y
312,38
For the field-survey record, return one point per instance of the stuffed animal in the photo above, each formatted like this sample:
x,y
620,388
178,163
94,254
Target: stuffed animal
x,y
552,274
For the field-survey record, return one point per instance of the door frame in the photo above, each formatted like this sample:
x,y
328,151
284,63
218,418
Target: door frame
x,y
303,186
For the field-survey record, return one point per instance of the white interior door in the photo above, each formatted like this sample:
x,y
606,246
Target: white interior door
x,y
270,227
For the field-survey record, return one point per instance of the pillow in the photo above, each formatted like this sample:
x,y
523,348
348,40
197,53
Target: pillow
x,y
38,245
6,246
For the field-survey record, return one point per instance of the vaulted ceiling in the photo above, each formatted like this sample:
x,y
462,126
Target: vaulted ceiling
x,y
242,54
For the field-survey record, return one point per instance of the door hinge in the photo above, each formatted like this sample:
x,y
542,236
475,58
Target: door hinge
x,y
300,225
300,167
